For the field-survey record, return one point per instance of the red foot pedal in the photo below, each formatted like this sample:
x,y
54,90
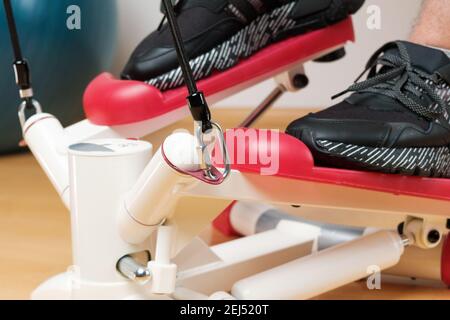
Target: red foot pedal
x,y
445,266
299,165
110,102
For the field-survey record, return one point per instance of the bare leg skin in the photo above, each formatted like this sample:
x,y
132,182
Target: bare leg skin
x,y
433,25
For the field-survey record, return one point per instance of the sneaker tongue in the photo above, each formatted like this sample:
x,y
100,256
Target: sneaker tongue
x,y
422,57
425,58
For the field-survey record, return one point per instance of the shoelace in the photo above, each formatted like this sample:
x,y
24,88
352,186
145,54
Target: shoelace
x,y
399,80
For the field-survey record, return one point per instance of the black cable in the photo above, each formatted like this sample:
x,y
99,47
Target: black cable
x,y
13,30
21,69
179,46
197,102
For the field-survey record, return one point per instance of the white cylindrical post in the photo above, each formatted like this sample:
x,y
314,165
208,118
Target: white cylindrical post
x,y
44,135
324,271
164,244
164,273
101,172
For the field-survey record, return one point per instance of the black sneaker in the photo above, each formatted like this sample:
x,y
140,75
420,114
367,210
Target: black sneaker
x,y
397,121
218,33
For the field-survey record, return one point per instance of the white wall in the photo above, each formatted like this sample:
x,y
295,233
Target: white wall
x,y
140,17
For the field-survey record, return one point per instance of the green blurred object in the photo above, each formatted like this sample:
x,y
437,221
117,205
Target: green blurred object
x,y
63,59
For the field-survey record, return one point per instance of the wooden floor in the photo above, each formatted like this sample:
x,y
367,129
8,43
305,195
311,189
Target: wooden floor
x,y
35,230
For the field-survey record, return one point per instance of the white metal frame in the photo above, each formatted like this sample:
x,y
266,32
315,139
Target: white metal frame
x,y
122,199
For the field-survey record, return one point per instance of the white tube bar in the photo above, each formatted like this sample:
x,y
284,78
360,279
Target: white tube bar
x,y
153,198
45,137
324,271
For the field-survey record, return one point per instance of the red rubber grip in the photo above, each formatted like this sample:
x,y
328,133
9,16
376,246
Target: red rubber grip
x,y
445,262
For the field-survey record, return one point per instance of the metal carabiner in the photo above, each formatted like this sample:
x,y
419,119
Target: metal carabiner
x,y
26,104
203,150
